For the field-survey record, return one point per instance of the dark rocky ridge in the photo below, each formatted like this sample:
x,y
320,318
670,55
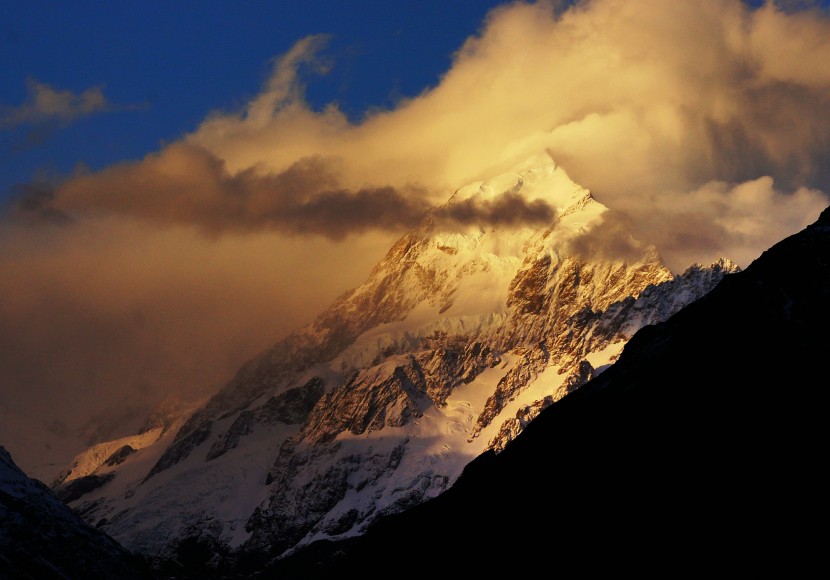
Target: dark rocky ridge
x,y
42,538
701,449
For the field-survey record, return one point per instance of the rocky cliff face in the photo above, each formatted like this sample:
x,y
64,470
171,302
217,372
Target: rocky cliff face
x,y
459,337
667,453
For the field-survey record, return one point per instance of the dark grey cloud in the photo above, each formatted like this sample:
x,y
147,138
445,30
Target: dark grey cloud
x,y
609,238
30,203
508,209
781,131
45,103
186,185
717,220
338,213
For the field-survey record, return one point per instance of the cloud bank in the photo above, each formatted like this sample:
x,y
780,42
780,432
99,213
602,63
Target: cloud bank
x,y
702,126
186,185
636,101
114,313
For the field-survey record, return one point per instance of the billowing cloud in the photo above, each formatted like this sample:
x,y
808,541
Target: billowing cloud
x,y
45,104
664,96
720,219
609,238
633,99
715,220
701,125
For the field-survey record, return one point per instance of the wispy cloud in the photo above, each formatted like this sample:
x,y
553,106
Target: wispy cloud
x,y
46,104
507,209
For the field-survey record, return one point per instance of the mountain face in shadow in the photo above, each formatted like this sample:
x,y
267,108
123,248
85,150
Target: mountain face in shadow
x,y
42,538
702,449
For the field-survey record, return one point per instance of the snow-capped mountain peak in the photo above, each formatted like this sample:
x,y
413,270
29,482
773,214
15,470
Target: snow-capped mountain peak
x,y
460,335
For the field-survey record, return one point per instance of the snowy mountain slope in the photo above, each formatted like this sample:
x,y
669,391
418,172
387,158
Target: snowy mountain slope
x,y
699,449
459,336
45,445
41,538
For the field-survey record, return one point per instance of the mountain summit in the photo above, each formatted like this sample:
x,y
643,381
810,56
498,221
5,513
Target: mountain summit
x,y
499,304
700,449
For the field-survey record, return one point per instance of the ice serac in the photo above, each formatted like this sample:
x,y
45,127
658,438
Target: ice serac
x,y
458,338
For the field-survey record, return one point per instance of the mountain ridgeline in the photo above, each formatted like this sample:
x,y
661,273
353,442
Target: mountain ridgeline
x,y
41,538
701,449
456,343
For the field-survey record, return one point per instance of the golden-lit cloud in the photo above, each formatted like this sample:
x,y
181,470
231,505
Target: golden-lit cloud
x,y
702,125
507,209
715,220
45,103
627,94
635,100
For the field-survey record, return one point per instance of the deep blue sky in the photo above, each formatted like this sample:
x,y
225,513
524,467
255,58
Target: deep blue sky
x,y
165,65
